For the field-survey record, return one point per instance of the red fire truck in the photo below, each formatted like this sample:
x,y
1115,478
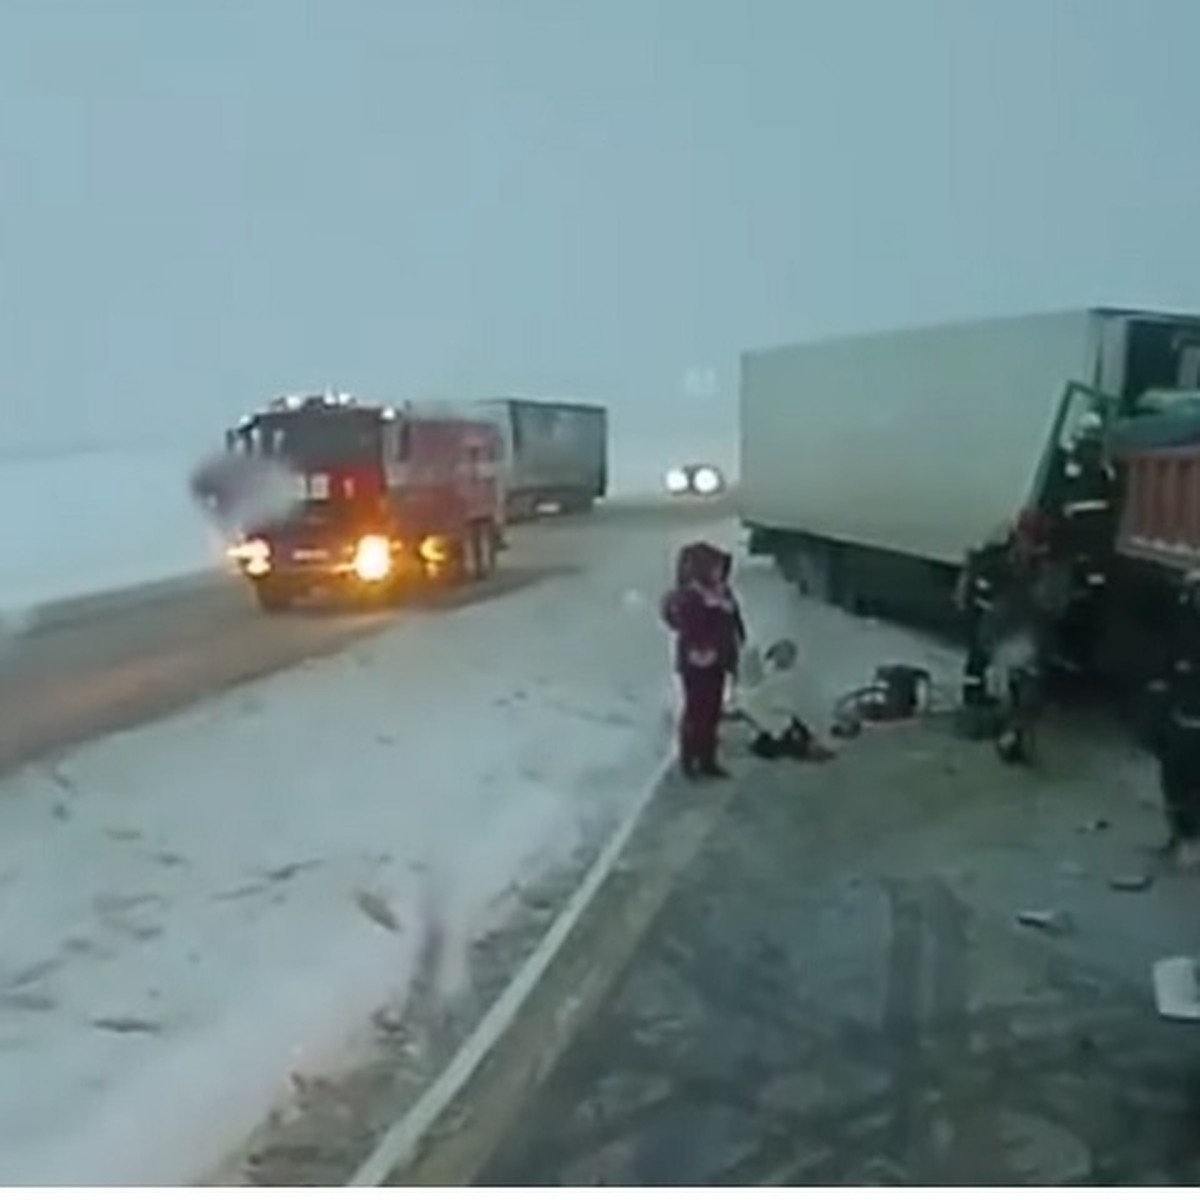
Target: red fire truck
x,y
383,497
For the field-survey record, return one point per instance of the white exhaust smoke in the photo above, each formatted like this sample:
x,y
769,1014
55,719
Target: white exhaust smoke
x,y
238,493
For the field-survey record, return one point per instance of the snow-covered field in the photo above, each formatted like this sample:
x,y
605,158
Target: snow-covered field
x,y
197,909
92,521
97,520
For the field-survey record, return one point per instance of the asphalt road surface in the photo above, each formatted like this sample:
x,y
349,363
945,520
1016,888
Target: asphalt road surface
x,y
97,668
817,975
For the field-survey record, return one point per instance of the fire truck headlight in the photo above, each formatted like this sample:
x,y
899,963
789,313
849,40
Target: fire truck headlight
x,y
677,481
254,556
373,558
707,480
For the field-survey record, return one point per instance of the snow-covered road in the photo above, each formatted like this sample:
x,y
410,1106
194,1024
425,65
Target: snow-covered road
x,y
193,911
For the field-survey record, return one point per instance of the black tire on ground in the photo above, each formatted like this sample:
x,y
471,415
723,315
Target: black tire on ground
x,y
483,538
816,572
790,564
273,596
522,507
460,565
846,590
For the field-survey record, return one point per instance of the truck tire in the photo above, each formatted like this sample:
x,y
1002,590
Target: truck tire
x,y
460,563
813,571
273,596
790,564
482,551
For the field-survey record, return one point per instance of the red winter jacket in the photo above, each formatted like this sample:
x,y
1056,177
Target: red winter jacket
x,y
702,612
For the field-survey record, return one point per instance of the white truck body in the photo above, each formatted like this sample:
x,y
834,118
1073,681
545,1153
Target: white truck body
x,y
923,442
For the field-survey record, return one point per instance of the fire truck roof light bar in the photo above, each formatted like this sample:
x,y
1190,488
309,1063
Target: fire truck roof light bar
x,y
328,399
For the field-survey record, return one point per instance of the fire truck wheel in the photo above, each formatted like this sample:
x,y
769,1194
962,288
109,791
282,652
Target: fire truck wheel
x,y
272,596
483,551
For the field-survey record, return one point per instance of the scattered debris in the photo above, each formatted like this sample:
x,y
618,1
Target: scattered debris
x,y
389,1020
118,903
60,778
1046,920
123,835
168,858
1177,988
845,727
1131,883
1098,825
28,1001
60,812
127,1025
32,973
376,908
1072,870
291,870
240,893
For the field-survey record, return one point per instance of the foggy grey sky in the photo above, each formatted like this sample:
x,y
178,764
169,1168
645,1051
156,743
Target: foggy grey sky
x,y
205,202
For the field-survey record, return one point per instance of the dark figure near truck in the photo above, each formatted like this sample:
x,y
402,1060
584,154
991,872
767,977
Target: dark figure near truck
x,y
704,616
1177,743
1086,496
992,596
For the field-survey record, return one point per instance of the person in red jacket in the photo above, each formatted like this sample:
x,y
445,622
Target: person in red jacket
x,y
703,614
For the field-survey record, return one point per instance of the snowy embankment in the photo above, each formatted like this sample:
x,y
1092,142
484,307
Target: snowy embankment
x,y
196,910
93,521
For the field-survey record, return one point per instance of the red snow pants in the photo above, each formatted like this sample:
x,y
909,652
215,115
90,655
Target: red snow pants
x,y
703,696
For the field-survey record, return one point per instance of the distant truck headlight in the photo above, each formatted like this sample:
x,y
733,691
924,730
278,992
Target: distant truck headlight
x,y
696,479
373,558
677,481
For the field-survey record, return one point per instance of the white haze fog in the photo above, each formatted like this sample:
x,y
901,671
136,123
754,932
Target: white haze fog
x,y
207,204
239,846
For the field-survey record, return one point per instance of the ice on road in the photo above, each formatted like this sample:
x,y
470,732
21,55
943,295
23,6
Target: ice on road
x,y
195,910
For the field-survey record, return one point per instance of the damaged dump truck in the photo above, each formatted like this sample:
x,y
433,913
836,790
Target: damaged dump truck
x,y
873,467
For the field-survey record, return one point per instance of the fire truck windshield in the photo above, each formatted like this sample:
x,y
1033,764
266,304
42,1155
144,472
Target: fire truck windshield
x,y
317,439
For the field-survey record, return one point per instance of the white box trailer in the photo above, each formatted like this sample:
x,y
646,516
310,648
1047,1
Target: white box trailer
x,y
869,465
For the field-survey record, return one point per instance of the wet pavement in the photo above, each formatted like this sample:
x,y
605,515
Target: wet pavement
x,y
838,990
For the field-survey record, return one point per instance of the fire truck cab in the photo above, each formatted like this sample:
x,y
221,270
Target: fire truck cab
x,y
383,497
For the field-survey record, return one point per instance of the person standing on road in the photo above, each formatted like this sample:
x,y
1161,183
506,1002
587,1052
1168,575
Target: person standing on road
x,y
1086,537
1178,741
702,613
981,589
